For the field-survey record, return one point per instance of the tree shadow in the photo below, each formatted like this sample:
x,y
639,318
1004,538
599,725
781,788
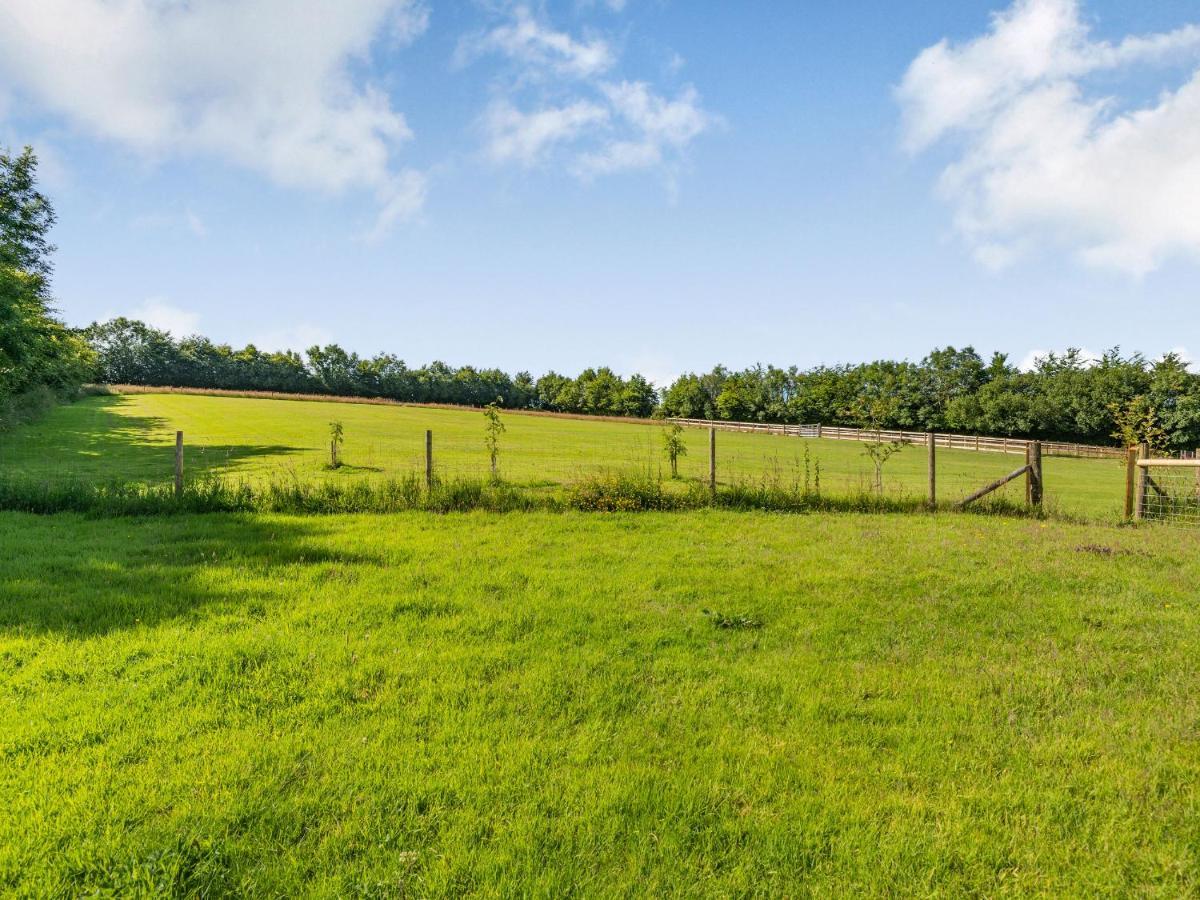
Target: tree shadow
x,y
94,440
80,577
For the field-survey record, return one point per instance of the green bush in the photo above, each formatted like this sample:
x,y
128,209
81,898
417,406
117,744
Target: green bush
x,y
623,492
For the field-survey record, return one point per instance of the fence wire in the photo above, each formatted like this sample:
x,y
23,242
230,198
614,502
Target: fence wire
x,y
1171,492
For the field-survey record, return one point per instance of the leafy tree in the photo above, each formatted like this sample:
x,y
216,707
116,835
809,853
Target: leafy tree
x,y
1138,423
492,430
870,413
674,446
336,438
36,349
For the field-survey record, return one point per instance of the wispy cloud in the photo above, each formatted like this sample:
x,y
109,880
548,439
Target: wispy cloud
x,y
540,48
158,313
562,104
298,337
657,126
526,137
1042,159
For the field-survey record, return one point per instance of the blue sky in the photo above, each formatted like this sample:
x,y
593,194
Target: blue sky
x,y
654,185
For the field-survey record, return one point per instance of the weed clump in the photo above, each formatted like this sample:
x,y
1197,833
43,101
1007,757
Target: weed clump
x,y
732,622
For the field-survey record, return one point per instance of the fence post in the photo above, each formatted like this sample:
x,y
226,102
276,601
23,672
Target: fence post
x,y
178,464
712,460
1131,457
429,460
818,430
1033,480
1139,511
931,442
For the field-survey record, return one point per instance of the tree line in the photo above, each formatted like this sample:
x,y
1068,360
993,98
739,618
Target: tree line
x,y
1066,397
131,352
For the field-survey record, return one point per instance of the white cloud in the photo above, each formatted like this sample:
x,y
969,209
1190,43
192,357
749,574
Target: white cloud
x,y
1041,159
158,313
402,199
657,125
538,47
562,105
265,84
409,21
524,138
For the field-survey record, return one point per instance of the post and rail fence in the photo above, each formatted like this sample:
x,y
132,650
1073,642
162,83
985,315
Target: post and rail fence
x,y
980,443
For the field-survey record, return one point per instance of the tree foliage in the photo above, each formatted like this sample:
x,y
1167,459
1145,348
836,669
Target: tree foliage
x,y
37,352
1065,397
132,352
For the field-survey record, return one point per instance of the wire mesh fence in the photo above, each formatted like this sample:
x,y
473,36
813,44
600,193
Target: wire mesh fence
x,y
1169,491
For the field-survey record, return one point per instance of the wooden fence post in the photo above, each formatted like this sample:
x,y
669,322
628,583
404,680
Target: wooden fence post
x,y
1139,510
429,460
818,431
1033,480
178,464
931,440
712,460
1131,458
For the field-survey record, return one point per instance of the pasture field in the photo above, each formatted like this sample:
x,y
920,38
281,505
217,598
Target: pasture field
x,y
131,438
569,704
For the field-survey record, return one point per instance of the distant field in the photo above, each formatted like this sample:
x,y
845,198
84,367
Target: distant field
x,y
130,438
540,705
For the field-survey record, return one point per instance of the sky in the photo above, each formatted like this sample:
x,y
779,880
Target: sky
x,y
654,185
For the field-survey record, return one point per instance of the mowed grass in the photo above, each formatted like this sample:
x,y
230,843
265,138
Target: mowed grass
x,y
131,438
702,704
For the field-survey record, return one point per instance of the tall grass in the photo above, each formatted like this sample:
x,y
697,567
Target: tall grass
x,y
21,409
611,491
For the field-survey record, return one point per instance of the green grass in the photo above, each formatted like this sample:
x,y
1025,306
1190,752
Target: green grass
x,y
131,438
696,704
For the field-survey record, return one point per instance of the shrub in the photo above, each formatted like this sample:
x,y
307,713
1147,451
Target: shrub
x,y
622,492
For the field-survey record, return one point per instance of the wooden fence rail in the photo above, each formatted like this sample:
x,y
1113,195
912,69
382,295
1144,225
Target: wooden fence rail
x,y
1018,446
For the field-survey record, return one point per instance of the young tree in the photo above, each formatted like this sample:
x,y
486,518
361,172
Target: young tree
x,y
1137,423
492,430
870,414
336,437
674,446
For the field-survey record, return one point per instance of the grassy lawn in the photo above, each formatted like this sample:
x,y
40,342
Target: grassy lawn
x,y
539,705
132,438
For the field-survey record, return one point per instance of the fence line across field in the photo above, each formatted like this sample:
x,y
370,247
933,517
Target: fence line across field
x,y
1032,470
980,443
1155,489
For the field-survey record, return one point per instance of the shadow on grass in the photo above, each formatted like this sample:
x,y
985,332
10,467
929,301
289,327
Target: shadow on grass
x,y
81,578
94,439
